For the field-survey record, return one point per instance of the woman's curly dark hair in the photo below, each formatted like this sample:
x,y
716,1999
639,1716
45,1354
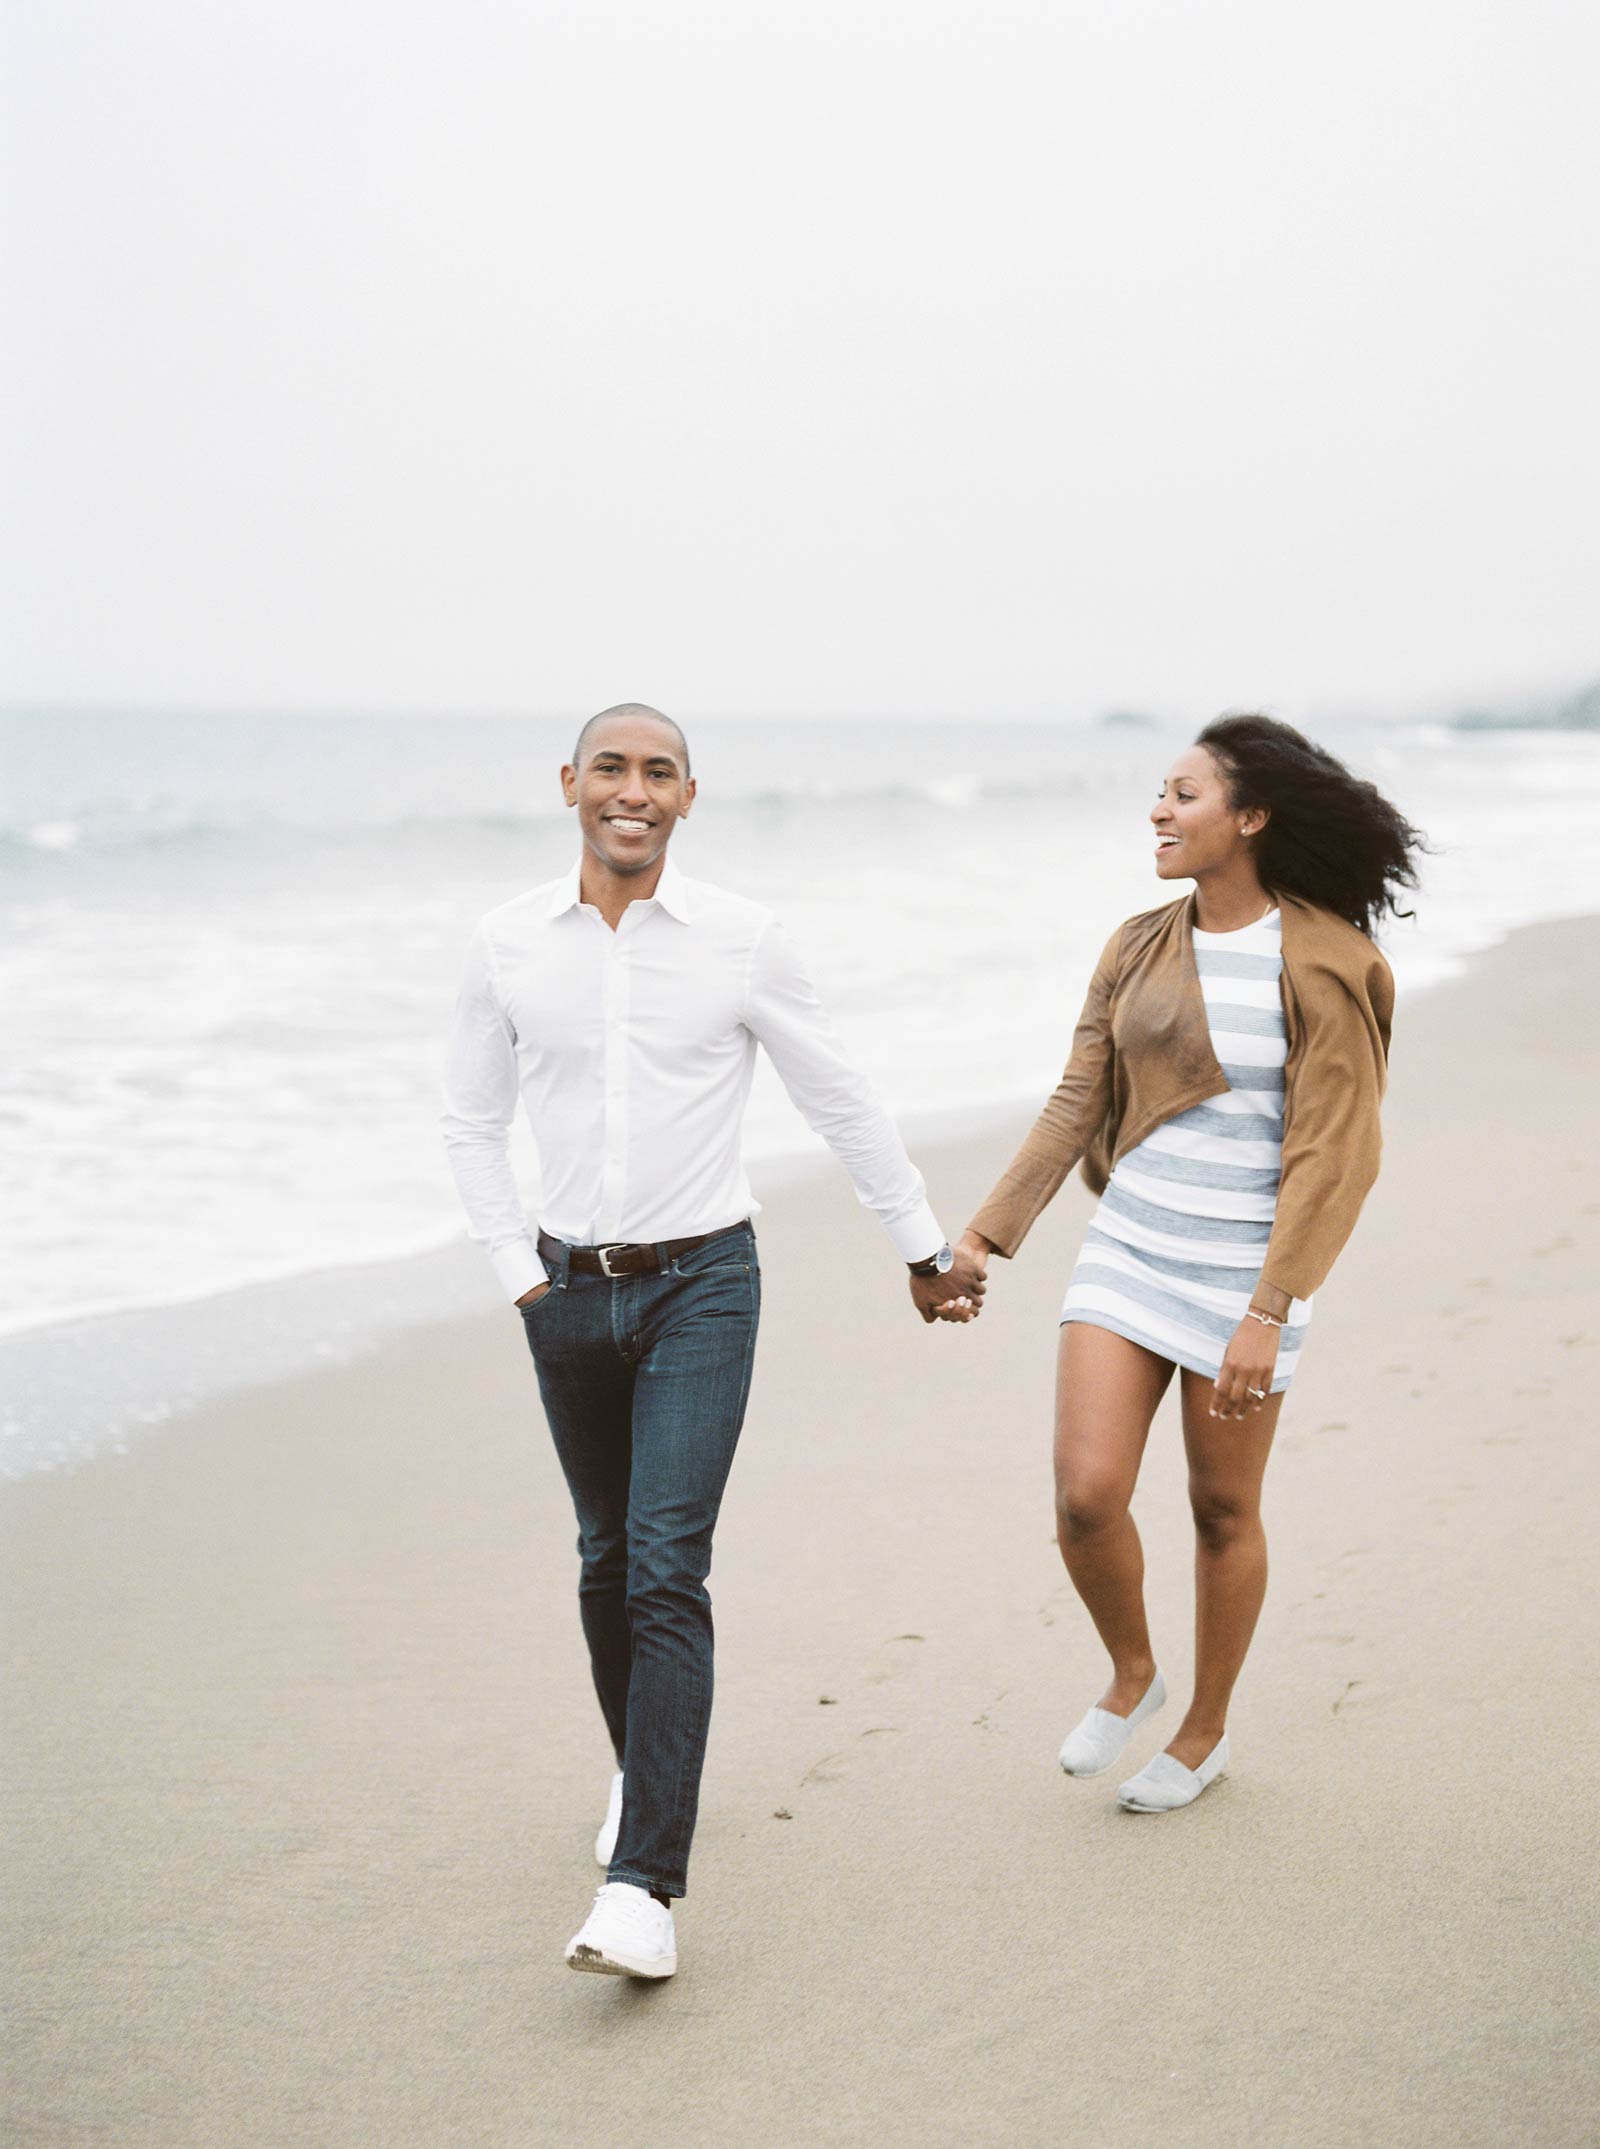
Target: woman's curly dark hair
x,y
1331,838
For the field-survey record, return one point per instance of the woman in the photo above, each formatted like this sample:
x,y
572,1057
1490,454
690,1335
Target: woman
x,y
1222,1096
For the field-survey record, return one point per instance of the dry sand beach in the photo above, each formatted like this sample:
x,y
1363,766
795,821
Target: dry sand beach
x,y
302,1764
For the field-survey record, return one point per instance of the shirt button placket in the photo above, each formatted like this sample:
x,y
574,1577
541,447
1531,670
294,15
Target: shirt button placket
x,y
613,1181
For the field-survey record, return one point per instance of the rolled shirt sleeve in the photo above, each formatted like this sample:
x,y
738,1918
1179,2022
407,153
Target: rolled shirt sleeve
x,y
480,1097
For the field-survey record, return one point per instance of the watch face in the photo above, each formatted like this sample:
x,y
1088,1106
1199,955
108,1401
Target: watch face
x,y
943,1261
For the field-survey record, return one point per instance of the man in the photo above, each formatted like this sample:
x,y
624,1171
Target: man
x,y
625,1003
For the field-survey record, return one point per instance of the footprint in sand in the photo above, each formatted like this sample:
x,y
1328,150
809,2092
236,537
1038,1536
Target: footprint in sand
x,y
828,1770
986,1722
1356,1552
832,1766
894,1659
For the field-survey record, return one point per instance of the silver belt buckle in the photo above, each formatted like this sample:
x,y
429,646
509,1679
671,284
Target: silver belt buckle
x,y
605,1253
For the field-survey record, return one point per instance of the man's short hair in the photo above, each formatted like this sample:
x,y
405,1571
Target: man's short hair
x,y
631,708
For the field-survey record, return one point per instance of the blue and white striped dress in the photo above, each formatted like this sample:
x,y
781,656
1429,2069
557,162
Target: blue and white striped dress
x,y
1176,1245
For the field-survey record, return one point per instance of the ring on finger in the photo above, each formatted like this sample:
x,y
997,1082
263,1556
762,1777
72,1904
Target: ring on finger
x,y
1260,1394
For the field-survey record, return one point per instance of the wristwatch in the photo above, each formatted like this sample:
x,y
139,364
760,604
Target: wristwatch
x,y
939,1264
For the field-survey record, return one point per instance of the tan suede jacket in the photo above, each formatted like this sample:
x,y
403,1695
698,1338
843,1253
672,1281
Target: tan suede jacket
x,y
1142,1053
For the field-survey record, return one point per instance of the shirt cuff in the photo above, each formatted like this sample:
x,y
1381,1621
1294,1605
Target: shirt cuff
x,y
518,1267
916,1235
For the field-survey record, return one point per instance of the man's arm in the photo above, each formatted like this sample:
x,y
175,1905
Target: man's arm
x,y
480,1095
784,1014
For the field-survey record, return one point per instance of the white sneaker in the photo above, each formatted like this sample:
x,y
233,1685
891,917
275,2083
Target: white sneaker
x,y
1164,1783
627,1934
1098,1740
605,1843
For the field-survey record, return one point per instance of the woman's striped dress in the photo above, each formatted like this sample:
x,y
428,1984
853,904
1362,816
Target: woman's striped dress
x,y
1177,1243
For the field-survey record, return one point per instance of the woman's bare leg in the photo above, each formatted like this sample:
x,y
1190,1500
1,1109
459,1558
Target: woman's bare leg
x,y
1107,1390
1227,1460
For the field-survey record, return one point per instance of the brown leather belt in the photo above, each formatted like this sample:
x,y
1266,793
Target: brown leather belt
x,y
640,1260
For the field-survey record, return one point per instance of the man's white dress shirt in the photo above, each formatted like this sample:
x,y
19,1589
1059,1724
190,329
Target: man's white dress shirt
x,y
632,1052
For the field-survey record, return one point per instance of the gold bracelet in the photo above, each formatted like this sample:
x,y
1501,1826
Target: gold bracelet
x,y
1268,1320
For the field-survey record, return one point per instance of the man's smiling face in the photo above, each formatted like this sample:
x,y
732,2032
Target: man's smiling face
x,y
631,787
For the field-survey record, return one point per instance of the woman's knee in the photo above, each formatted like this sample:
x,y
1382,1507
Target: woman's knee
x,y
1086,1506
1222,1517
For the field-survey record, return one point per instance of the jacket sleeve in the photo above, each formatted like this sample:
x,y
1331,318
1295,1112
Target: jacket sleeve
x,y
1332,1137
1071,1118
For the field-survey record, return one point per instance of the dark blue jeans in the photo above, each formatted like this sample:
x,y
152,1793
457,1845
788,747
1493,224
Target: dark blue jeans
x,y
645,1380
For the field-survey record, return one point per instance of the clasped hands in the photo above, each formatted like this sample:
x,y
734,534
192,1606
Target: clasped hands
x,y
957,1295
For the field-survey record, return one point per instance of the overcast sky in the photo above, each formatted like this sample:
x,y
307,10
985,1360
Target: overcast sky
x,y
840,355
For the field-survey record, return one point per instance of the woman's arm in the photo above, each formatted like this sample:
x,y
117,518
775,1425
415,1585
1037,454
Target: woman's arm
x,y
1070,1120
1332,1137
1332,1142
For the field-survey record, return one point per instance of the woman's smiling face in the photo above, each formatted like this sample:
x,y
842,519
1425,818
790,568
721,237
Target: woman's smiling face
x,y
1198,829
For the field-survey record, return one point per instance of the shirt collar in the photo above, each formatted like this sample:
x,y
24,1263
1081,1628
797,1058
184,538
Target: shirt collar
x,y
564,894
672,893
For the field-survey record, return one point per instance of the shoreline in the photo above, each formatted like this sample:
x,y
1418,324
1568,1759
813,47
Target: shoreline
x,y
303,1763
89,1385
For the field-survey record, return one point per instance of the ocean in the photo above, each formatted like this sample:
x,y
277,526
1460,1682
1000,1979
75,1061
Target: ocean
x,y
229,945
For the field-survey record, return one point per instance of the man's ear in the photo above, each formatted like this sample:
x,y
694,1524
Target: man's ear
x,y
569,784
